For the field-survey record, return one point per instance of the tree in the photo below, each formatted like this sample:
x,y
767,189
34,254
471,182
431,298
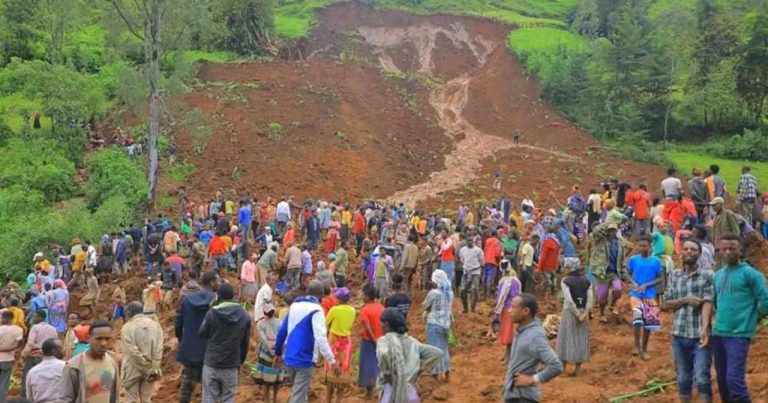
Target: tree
x,y
752,68
248,24
144,21
18,29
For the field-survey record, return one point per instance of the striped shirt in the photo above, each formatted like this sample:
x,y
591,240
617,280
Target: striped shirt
x,y
439,304
687,321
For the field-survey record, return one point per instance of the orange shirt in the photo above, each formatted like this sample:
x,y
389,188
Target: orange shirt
x,y
371,314
290,237
217,247
550,255
493,251
640,202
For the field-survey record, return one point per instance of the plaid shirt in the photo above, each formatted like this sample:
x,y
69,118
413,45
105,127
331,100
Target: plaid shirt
x,y
700,284
439,304
747,189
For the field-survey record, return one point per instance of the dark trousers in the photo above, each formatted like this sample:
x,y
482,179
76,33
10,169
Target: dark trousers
x,y
527,280
730,354
520,400
6,367
29,363
359,242
190,375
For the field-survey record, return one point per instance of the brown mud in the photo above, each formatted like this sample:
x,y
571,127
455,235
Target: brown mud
x,y
418,109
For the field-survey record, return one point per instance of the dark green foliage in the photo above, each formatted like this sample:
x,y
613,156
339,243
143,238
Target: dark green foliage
x,y
752,69
5,133
19,30
751,146
38,165
247,23
113,173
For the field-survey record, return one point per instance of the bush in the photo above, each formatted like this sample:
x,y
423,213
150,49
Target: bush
x,y
751,146
636,147
35,230
38,165
113,173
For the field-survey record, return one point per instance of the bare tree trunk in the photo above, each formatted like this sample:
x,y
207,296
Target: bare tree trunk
x,y
154,106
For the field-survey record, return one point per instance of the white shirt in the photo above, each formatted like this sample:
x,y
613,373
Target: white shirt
x,y
262,297
42,379
90,257
671,187
526,256
284,208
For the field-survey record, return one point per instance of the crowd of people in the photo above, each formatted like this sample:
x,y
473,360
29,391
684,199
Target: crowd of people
x,y
302,267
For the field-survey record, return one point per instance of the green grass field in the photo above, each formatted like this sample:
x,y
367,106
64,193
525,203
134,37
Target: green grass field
x,y
294,20
538,46
730,170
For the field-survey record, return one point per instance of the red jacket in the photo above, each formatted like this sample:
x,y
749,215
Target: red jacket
x,y
493,251
358,226
550,255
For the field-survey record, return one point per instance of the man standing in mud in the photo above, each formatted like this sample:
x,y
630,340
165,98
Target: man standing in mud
x,y
516,136
530,349
689,294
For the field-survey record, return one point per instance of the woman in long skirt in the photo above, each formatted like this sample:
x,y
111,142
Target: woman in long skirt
x,y
573,335
438,302
370,323
333,234
509,288
340,320
264,372
401,359
59,306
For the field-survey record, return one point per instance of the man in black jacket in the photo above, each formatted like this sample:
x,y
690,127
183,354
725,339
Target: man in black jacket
x,y
228,329
192,310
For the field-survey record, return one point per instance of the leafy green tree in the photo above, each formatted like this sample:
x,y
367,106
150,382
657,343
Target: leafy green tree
x,y
111,172
37,165
248,24
19,30
66,94
752,68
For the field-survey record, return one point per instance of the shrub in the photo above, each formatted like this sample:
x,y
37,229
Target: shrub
x,y
111,173
38,165
752,146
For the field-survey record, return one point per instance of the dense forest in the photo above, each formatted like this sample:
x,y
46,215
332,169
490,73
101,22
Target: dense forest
x,y
634,73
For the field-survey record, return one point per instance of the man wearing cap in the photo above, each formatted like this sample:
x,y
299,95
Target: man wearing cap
x,y
606,260
725,220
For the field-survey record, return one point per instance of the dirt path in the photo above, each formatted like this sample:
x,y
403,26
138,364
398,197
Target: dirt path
x,y
472,145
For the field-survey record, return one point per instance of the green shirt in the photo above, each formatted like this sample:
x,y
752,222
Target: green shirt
x,y
342,262
740,297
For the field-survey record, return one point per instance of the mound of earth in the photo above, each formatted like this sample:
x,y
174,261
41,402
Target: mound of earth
x,y
417,109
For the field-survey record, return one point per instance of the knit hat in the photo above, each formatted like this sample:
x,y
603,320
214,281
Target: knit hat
x,y
343,294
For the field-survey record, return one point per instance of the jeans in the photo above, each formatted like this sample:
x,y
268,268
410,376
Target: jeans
x,y
292,277
244,227
641,227
469,285
301,379
190,375
693,364
730,354
219,384
150,268
6,367
448,267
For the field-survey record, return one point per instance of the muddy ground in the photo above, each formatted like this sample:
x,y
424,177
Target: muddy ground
x,y
421,110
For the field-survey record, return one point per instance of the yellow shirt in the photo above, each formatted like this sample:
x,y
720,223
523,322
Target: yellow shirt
x,y
43,265
79,262
340,320
346,217
227,242
470,219
18,317
229,207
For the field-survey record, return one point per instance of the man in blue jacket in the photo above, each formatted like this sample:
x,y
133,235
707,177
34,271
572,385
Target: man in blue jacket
x,y
303,333
189,317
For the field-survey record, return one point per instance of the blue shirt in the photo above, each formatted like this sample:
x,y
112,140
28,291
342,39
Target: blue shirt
x,y
244,215
644,270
